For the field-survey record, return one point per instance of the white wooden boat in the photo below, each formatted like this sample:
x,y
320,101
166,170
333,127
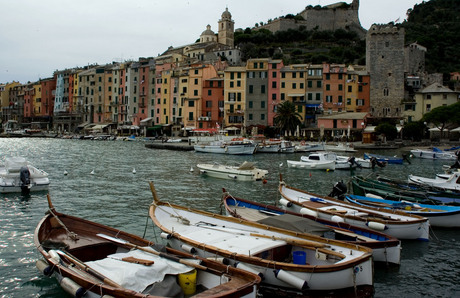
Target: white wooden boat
x,y
385,249
341,163
359,162
439,215
451,183
275,146
286,260
236,147
435,153
393,223
17,175
89,259
245,172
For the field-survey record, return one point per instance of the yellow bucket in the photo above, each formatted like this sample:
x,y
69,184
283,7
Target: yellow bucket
x,y
187,281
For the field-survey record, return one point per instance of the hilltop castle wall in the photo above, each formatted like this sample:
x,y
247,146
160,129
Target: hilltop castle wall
x,y
331,17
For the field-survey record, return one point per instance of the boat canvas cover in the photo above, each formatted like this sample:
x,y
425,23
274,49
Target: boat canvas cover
x,y
296,223
137,277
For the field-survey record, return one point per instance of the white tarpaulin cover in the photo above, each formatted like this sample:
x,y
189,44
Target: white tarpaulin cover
x,y
137,277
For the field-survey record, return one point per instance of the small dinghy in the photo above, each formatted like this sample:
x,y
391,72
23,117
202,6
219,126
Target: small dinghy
x,y
92,260
18,175
244,172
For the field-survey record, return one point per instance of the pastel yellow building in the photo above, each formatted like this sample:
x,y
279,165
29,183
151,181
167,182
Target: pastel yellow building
x,y
234,96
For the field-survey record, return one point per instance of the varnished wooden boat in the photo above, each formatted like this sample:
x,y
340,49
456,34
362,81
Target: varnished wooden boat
x,y
92,260
288,261
385,249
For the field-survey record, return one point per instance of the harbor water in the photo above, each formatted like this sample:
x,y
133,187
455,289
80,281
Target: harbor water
x,y
116,196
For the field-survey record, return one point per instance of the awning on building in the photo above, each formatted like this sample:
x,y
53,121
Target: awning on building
x,y
312,105
370,128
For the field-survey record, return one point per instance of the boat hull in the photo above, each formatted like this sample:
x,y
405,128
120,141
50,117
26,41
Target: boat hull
x,y
246,149
439,216
327,165
430,154
399,225
232,173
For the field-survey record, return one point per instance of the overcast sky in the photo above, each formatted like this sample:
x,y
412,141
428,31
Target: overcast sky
x,y
39,37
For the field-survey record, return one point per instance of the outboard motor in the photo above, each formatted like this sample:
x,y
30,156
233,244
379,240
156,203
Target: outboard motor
x,y
339,190
375,162
404,156
352,161
24,176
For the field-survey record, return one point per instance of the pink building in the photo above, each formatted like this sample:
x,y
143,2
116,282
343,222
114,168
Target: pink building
x,y
274,67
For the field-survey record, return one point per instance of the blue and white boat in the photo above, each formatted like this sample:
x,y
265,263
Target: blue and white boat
x,y
439,215
434,153
383,158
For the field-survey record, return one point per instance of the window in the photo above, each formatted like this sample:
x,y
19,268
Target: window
x,y
318,84
328,76
232,84
301,86
282,85
191,103
328,98
274,96
262,116
310,84
340,76
209,92
310,96
428,107
262,89
340,99
349,101
301,74
283,75
328,87
273,84
238,75
250,116
261,65
232,75
190,116
250,104
294,75
238,83
262,104
196,71
274,74
360,88
274,65
340,87
251,89
350,88
196,81
385,92
282,96
255,64
195,92
294,85
428,96
209,104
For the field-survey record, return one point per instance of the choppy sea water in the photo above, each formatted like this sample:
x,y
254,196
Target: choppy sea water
x,y
116,197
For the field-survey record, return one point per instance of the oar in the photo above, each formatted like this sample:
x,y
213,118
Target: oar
x,y
311,244
88,269
160,254
300,242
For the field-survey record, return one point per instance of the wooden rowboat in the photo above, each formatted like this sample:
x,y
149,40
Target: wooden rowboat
x,y
385,249
394,223
288,261
92,260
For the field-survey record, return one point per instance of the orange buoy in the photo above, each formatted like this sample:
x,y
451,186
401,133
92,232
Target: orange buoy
x,y
264,181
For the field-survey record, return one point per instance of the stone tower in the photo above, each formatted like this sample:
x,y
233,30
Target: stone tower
x,y
385,62
226,29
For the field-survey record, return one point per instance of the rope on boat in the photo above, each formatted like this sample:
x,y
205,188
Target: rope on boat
x,y
71,234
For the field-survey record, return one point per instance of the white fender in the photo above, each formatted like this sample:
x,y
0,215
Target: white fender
x,y
376,226
72,287
44,267
285,203
249,268
291,279
306,211
337,218
371,195
232,176
165,235
188,248
54,255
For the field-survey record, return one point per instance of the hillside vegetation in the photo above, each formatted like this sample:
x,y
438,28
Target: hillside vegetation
x,y
433,24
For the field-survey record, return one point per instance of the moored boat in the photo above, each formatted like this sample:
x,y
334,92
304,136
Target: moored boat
x,y
384,158
234,147
18,175
92,260
439,215
451,183
393,223
434,153
341,163
314,161
290,261
385,249
244,172
275,146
